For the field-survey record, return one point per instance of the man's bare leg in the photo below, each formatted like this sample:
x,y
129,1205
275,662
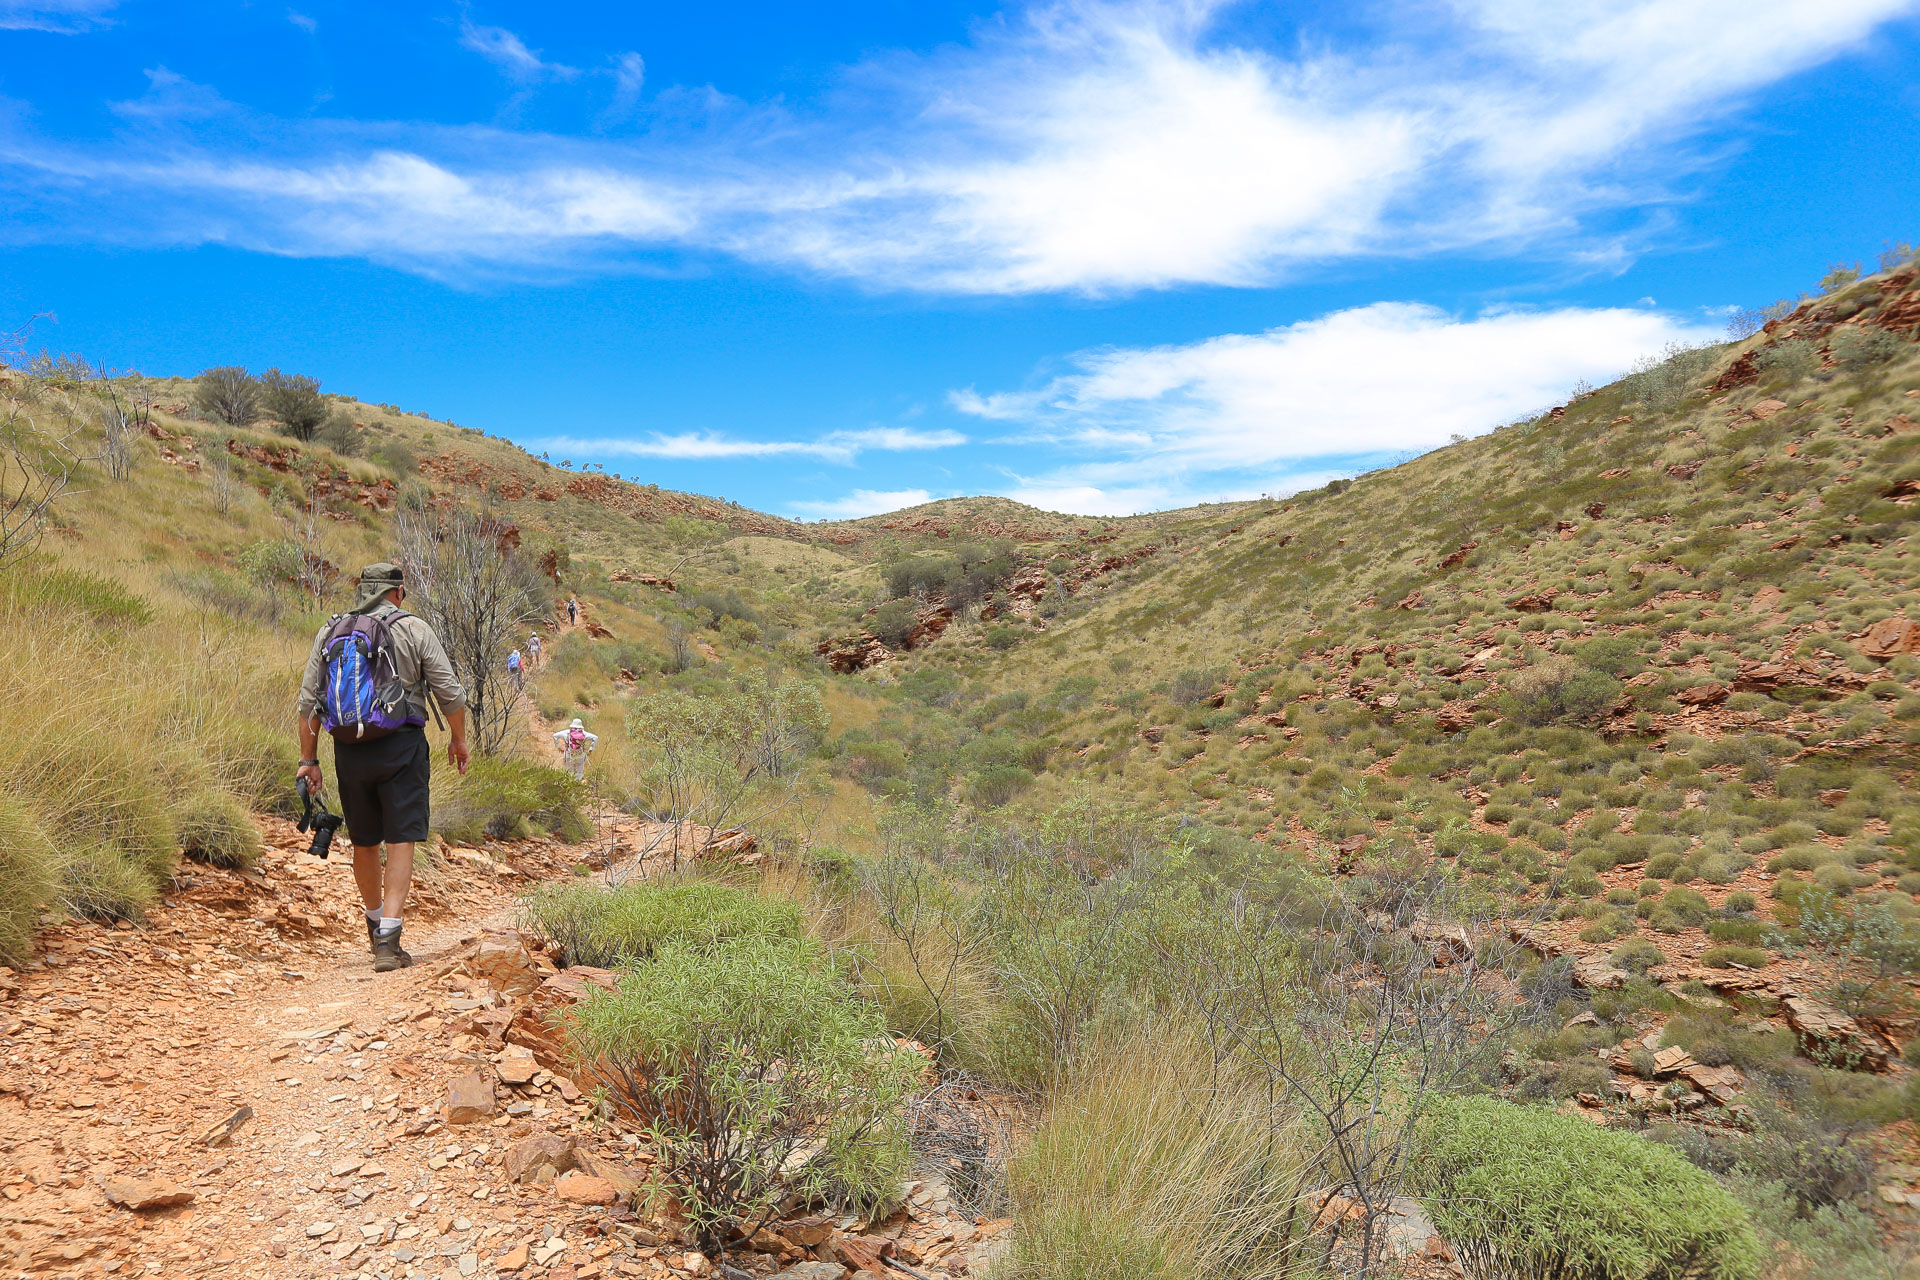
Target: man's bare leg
x,y
399,878
366,873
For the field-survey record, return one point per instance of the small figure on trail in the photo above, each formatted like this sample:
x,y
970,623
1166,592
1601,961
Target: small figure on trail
x,y
573,611
515,668
575,744
367,683
533,650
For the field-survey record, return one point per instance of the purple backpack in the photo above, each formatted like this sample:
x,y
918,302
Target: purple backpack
x,y
364,697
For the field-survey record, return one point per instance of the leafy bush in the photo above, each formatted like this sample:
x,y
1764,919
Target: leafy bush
x,y
1192,684
1661,381
1858,344
1555,689
758,1074
1730,954
1004,638
893,622
1526,1191
499,796
1637,955
602,927
216,829
1789,361
293,400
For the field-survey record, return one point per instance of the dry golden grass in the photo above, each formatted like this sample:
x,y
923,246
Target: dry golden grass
x,y
1153,1163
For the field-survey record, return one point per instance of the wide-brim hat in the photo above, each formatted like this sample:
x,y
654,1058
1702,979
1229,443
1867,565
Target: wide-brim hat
x,y
375,581
576,725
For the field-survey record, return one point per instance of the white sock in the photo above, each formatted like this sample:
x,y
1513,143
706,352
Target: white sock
x,y
389,924
373,914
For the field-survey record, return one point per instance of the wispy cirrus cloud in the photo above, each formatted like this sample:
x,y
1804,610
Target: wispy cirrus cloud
x,y
860,502
510,54
835,446
1077,146
1244,414
64,17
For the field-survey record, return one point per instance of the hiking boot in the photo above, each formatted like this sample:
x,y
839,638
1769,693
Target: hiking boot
x,y
387,953
373,931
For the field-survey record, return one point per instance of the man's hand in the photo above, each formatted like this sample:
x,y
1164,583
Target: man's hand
x,y
311,772
457,753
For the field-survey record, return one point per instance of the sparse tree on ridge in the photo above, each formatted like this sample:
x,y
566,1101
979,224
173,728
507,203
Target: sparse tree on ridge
x,y
294,401
230,394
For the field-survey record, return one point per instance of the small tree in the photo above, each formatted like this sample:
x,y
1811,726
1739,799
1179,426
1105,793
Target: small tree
x,y
294,400
465,579
1363,1003
39,454
230,394
722,760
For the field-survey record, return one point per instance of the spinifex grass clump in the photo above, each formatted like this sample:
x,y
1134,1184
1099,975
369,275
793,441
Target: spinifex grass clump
x,y
1525,1191
597,926
758,1074
216,829
1157,1164
500,797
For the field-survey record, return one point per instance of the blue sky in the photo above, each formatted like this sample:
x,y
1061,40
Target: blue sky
x,y
829,260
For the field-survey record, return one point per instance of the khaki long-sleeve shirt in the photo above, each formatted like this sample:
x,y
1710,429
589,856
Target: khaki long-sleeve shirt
x,y
418,657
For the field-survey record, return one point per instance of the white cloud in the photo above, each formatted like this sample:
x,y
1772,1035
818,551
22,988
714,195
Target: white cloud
x,y
64,17
835,446
1080,145
1071,491
860,502
509,52
1243,414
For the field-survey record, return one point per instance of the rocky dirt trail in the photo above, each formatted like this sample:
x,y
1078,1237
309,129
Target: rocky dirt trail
x,y
230,1090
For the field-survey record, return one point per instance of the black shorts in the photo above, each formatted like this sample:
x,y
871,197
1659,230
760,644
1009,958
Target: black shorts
x,y
384,787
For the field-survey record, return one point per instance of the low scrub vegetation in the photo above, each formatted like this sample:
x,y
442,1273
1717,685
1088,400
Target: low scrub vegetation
x,y
1525,1191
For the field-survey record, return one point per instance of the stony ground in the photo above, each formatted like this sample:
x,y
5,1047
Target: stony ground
x,y
374,1120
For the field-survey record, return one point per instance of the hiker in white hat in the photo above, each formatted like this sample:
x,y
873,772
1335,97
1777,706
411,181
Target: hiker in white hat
x,y
575,744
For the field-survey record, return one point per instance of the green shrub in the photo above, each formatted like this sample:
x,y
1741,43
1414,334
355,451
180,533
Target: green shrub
x,y
1637,955
757,1072
1726,956
1555,689
1526,1191
1790,361
215,828
499,797
602,927
1004,638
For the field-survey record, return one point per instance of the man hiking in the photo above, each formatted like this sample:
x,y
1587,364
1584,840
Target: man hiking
x,y
516,668
573,611
533,650
367,683
575,744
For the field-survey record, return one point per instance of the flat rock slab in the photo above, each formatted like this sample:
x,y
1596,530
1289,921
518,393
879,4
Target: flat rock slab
x,y
584,1188
142,1194
470,1099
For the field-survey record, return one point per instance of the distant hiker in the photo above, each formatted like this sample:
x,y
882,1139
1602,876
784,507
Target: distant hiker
x,y
514,665
573,611
575,745
533,649
367,683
